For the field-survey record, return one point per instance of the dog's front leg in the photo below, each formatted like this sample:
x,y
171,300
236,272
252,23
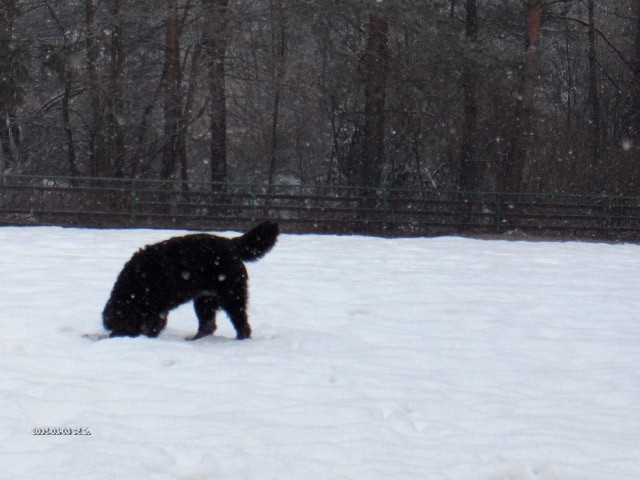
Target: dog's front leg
x,y
205,308
153,324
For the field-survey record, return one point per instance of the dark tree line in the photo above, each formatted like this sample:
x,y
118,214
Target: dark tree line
x,y
501,95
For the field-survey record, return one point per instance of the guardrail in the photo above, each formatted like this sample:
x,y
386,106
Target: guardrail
x,y
111,202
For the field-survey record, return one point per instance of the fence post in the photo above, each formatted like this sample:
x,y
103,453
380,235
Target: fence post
x,y
497,213
254,204
134,198
384,211
609,216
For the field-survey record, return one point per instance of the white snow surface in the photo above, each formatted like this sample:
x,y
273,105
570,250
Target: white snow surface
x,y
428,358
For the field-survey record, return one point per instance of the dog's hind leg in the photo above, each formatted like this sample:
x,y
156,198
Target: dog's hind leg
x,y
240,321
235,304
205,308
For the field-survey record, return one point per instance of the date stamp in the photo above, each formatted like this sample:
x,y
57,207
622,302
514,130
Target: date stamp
x,y
60,431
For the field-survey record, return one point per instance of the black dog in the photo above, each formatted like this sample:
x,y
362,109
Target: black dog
x,y
204,268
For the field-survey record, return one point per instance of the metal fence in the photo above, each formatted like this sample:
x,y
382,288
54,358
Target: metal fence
x,y
109,202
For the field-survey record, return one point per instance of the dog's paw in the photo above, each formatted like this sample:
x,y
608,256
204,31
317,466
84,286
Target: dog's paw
x,y
244,333
198,336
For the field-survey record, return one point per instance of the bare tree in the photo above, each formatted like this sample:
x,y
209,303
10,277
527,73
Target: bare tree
x,y
114,107
523,141
470,165
594,103
13,73
360,93
215,48
634,134
171,83
279,42
376,70
96,154
57,60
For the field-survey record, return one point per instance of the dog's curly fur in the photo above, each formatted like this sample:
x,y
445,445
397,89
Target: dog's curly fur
x,y
204,268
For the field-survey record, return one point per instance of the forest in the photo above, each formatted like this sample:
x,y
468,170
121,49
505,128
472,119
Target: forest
x,y
494,95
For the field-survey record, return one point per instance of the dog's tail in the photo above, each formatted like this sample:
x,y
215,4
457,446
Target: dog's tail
x,y
256,242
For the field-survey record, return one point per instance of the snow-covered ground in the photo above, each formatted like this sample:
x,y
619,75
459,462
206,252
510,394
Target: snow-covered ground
x,y
432,359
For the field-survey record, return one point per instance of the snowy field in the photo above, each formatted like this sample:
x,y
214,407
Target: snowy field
x,y
431,359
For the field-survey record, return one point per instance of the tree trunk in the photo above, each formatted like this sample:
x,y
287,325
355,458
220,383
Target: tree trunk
x,y
96,159
215,47
520,156
171,94
376,70
115,148
636,77
280,58
470,164
8,91
635,121
5,140
594,103
68,129
632,143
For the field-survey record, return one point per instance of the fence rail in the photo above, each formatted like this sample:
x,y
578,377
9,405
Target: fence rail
x,y
94,202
